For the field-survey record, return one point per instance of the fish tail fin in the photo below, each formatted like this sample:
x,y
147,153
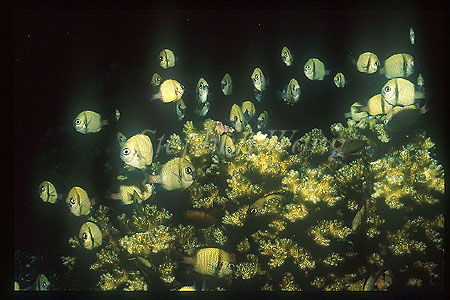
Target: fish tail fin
x,y
419,94
424,109
327,72
382,70
156,96
93,201
281,96
105,122
348,115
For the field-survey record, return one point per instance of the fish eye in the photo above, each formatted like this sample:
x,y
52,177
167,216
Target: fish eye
x,y
77,121
126,151
235,118
229,150
44,285
42,188
376,63
256,76
188,170
253,211
85,236
201,85
182,86
385,121
160,58
387,89
231,266
72,200
412,63
308,67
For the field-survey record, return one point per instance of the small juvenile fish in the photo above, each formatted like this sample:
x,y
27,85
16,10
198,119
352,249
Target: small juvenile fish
x,y
121,139
137,151
258,79
412,36
78,201
356,223
248,110
291,92
226,84
367,63
399,91
193,287
314,69
202,109
130,194
176,174
156,79
227,147
41,284
117,115
237,118
212,261
202,218
262,120
286,56
90,235
166,59
420,83
398,65
350,146
180,109
170,90
202,90
355,112
339,80
89,122
47,192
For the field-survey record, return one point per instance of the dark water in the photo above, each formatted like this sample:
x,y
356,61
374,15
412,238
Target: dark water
x,y
67,61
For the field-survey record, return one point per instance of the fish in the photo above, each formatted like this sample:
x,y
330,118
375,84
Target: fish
x,y
41,284
16,286
117,115
356,113
357,220
170,90
180,109
420,83
202,218
47,192
339,80
202,109
137,151
258,79
399,91
202,90
314,69
156,80
237,118
377,105
176,174
369,284
412,36
398,65
261,121
212,261
402,117
256,208
78,201
193,287
90,235
166,59
291,92
348,147
226,84
130,194
89,122
367,62
286,56
248,110
227,147
121,139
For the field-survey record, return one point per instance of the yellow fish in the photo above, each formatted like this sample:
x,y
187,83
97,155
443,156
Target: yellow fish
x,y
212,261
47,192
399,91
166,59
412,36
420,83
398,65
156,79
130,194
248,110
356,113
137,151
121,139
180,109
176,174
78,201
367,63
376,105
227,147
258,79
226,84
257,207
358,219
202,90
237,118
170,90
314,69
339,80
261,121
117,115
202,109
41,284
286,56
90,235
291,92
89,122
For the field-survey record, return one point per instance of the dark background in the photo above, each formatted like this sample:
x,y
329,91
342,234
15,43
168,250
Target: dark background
x,y
67,61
